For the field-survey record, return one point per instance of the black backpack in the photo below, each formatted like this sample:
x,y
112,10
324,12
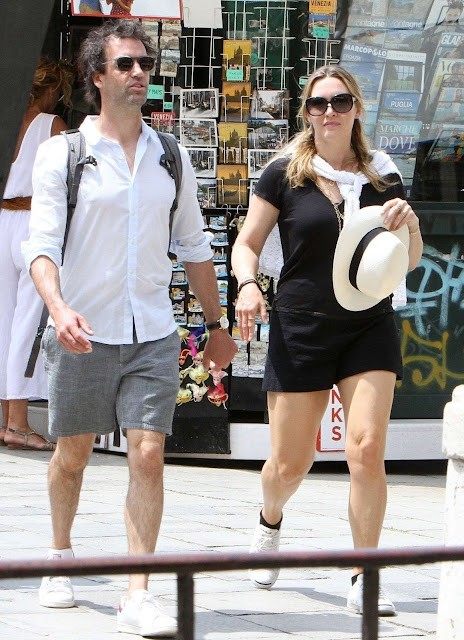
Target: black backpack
x,y
170,160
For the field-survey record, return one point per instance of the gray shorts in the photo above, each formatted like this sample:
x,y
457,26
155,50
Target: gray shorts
x,y
133,386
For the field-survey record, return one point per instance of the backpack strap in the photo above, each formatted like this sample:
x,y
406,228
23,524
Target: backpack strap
x,y
171,160
76,163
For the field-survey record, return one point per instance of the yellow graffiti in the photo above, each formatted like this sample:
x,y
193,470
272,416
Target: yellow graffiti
x,y
438,373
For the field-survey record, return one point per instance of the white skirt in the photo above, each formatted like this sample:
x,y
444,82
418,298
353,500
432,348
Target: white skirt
x,y
21,308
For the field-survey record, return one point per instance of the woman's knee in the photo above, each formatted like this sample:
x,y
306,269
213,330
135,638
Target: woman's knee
x,y
365,454
291,472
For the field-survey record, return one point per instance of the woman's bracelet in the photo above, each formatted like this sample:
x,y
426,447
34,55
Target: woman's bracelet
x,y
245,282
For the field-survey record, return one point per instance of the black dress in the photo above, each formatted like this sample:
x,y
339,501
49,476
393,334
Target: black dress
x,y
314,342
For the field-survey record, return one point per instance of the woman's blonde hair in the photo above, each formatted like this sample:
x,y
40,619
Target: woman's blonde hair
x,y
302,148
58,75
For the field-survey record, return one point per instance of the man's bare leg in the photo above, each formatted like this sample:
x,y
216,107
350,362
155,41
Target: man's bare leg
x,y
144,502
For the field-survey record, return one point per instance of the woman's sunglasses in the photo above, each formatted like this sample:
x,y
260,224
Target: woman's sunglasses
x,y
341,103
125,63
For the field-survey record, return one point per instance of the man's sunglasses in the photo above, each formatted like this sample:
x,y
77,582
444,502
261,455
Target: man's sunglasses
x,y
125,63
341,103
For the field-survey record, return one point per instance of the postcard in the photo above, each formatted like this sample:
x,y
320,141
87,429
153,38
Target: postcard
x,y
199,103
257,160
236,101
220,254
172,27
236,60
163,121
220,238
203,161
270,104
233,142
217,222
321,26
161,9
198,132
267,134
206,193
206,14
232,184
168,69
220,270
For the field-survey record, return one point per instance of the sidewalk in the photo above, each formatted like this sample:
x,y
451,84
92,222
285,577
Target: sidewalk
x,y
208,508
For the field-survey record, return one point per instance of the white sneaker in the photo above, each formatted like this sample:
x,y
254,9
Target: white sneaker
x,y
142,615
57,592
354,601
265,539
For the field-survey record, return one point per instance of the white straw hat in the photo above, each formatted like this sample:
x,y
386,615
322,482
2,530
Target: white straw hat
x,y
369,261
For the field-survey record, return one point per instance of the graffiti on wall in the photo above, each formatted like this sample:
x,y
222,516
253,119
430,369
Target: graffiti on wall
x,y
432,322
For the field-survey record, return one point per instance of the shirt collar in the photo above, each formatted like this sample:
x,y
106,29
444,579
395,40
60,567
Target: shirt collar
x,y
93,135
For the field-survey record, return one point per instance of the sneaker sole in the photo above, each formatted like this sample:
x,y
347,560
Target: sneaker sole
x,y
384,613
56,605
260,585
167,632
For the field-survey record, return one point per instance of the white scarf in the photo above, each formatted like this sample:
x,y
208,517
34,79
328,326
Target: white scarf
x,y
350,185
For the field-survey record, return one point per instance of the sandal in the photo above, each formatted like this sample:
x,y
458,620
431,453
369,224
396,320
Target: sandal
x,y
2,440
48,446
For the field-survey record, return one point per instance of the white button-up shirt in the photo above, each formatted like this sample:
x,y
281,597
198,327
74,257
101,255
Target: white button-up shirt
x,y
116,270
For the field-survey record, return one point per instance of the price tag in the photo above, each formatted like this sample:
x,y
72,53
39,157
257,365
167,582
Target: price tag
x,y
321,32
168,106
235,75
155,92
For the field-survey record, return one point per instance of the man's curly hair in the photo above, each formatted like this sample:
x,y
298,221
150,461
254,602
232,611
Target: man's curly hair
x,y
92,52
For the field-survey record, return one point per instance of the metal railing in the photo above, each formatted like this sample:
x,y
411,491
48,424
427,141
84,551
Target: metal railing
x,y
186,565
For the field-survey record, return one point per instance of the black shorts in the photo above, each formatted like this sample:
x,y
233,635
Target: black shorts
x,y
311,352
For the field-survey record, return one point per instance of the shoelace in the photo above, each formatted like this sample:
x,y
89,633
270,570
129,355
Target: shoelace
x,y
383,595
56,583
266,541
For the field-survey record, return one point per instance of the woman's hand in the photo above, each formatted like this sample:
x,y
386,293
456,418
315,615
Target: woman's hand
x,y
250,302
397,213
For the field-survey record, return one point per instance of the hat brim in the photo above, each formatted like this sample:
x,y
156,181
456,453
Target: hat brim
x,y
353,231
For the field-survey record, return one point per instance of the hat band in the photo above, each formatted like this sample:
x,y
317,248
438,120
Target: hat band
x,y
359,252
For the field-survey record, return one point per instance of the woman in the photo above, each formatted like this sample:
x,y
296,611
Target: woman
x,y
314,342
120,7
21,304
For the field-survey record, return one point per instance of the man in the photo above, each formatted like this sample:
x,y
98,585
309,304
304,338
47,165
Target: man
x,y
112,355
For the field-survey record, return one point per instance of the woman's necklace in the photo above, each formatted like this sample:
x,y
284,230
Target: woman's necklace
x,y
328,195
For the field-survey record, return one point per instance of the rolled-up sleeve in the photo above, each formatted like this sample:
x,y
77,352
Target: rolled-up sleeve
x,y
189,242
49,203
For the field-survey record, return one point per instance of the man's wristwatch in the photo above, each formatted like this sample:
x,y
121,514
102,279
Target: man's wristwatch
x,y
222,323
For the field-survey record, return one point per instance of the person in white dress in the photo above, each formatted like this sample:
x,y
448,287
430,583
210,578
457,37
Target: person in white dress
x,y
20,303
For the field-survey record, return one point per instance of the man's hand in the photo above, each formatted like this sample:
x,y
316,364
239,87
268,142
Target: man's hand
x,y
68,326
220,348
